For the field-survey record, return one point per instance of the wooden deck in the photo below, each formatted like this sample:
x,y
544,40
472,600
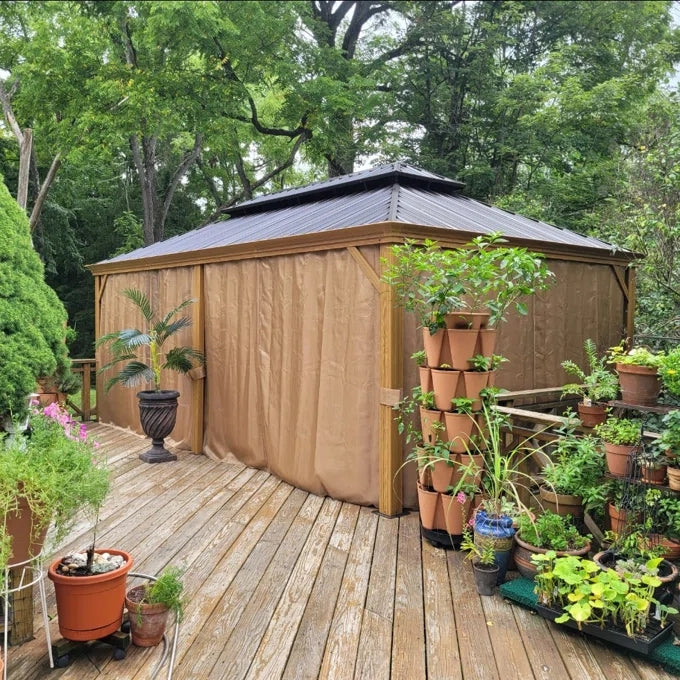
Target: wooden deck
x,y
285,584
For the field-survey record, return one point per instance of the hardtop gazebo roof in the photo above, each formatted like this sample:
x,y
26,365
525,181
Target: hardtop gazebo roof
x,y
396,194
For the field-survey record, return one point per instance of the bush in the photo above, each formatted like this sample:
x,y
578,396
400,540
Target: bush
x,y
32,318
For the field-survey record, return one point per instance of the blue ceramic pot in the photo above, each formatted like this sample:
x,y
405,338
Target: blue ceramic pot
x,y
499,531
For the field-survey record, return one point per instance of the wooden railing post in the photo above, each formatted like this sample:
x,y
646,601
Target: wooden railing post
x,y
85,390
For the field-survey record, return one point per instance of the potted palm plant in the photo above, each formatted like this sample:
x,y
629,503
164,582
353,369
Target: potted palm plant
x,y
598,385
157,407
149,605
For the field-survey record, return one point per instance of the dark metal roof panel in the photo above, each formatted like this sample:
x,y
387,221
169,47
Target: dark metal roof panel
x,y
337,213
461,213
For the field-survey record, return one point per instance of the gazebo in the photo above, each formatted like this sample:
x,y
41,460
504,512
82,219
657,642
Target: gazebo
x,y
306,352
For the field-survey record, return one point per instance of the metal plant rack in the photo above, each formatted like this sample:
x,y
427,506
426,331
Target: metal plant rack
x,y
32,573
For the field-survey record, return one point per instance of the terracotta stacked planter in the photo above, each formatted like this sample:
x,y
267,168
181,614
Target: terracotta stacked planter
x,y
442,512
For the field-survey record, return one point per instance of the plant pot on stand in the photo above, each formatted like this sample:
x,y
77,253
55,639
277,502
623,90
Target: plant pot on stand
x,y
640,385
591,415
157,414
561,504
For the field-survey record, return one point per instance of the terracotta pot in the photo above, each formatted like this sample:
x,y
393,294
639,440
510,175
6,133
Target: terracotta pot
x,y
561,504
455,514
427,417
458,430
462,344
147,621
620,459
673,478
468,320
653,474
425,379
590,416
486,344
670,546
524,551
475,382
618,519
2,667
427,506
441,472
433,345
640,385
157,415
90,607
445,386
485,578
26,542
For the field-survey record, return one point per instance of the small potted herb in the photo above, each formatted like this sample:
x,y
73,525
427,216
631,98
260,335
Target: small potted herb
x,y
621,437
484,564
547,532
460,422
573,477
598,384
149,605
423,370
652,463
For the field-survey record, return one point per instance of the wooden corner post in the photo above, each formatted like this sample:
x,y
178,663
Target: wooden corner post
x,y
198,342
630,303
391,382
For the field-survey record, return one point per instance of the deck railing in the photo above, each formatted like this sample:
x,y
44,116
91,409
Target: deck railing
x,y
87,369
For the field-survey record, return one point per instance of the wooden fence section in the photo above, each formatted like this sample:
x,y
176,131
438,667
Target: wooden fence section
x,y
283,584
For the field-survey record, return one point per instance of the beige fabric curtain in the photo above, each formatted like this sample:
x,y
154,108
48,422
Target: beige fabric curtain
x,y
291,347
166,289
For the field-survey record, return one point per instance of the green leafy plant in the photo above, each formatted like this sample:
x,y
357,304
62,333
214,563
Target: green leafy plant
x,y
427,281
620,431
420,357
462,405
126,344
551,531
166,590
55,468
577,468
669,439
484,554
481,363
405,411
669,371
599,384
638,356
589,595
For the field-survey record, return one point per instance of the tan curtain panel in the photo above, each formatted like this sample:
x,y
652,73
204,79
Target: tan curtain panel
x,y
291,346
166,289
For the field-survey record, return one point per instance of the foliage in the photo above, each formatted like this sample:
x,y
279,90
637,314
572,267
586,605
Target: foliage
x,y
620,431
576,469
481,363
55,468
484,554
125,346
462,405
669,371
638,356
669,439
599,384
420,357
588,594
501,476
32,320
550,531
166,590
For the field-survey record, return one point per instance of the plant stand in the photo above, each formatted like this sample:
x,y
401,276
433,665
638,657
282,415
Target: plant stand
x,y
31,574
440,538
63,650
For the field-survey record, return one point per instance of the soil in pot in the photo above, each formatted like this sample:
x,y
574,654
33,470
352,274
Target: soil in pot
x,y
147,621
89,607
485,578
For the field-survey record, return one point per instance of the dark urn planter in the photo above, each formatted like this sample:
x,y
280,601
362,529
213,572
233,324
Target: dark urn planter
x,y
485,578
157,414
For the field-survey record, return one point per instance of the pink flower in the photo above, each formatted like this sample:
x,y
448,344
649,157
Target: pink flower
x,y
471,522
461,497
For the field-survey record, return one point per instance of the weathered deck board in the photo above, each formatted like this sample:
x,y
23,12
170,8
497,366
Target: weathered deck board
x,y
284,584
